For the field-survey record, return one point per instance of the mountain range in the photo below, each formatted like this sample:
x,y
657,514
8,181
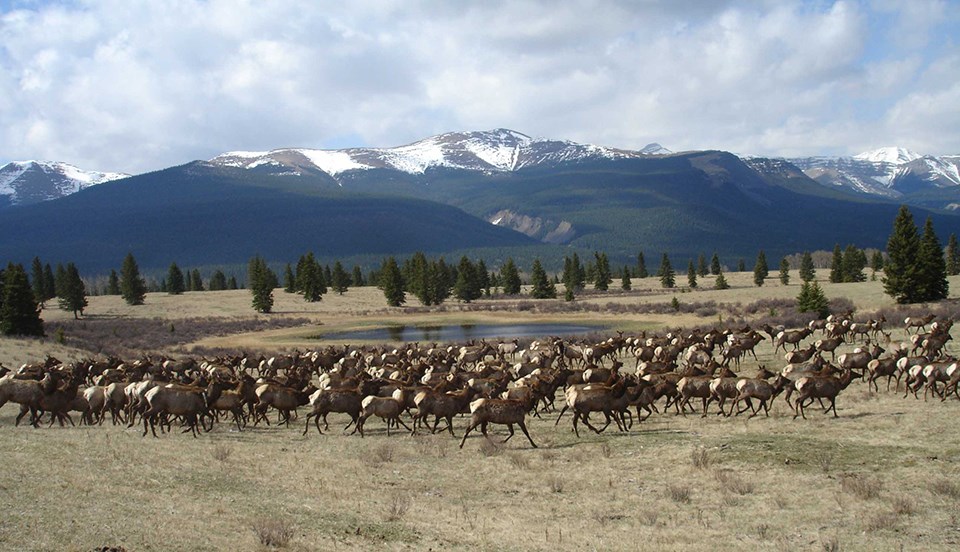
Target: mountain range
x,y
489,193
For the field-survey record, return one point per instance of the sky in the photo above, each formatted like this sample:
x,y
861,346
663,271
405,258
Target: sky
x,y
136,85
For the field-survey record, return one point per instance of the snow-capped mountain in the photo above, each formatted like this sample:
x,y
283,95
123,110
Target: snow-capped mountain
x,y
890,172
25,182
498,150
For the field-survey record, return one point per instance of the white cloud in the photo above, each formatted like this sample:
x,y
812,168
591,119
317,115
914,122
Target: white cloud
x,y
134,85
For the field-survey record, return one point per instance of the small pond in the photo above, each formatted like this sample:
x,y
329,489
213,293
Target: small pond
x,y
460,332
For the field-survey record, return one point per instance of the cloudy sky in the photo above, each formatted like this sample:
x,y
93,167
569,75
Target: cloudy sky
x,y
133,86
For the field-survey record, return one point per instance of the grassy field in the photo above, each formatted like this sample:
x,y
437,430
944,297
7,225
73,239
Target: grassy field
x,y
883,476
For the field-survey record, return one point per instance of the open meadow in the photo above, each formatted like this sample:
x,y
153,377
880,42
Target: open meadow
x,y
885,475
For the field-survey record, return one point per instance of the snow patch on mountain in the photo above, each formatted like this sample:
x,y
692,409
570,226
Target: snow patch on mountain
x,y
33,181
891,154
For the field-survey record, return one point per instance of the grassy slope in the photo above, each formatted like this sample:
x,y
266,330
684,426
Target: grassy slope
x,y
769,484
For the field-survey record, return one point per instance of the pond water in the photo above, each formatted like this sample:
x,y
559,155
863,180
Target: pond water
x,y
462,332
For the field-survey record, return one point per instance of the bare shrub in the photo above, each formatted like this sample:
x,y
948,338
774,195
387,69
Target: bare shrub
x,y
272,532
649,517
903,506
397,509
384,453
520,461
733,483
701,458
605,450
824,459
221,452
830,544
864,488
880,521
945,487
488,448
762,531
679,493
780,501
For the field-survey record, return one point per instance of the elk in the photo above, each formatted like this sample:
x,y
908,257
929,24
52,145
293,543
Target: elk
x,y
497,411
920,323
793,337
821,387
388,408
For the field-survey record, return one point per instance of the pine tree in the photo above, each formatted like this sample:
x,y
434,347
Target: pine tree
x,y
232,283
59,278
218,281
932,266
19,311
391,282
807,272
196,282
511,277
812,299
579,273
339,279
289,280
715,265
741,266
260,284
132,287
721,282
543,288
357,277
36,281
438,282
952,254
50,285
309,279
901,273
602,277
175,284
691,275
625,283
467,287
666,272
836,265
760,269
73,294
702,265
784,271
876,262
483,277
854,260
641,266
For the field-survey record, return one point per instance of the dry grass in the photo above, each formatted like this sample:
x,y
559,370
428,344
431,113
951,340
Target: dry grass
x,y
273,532
77,488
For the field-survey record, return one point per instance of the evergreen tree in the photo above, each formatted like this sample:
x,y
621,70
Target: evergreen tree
x,y
196,282
760,269
232,283
543,288
784,271
812,299
691,275
741,266
50,285
468,286
852,263
625,283
289,280
357,277
218,281
876,262
36,281
715,265
666,272
932,268
415,276
602,277
59,279
807,272
73,295
952,254
339,279
721,282
391,282
702,265
132,286
483,277
901,278
260,283
19,310
511,277
175,284
327,275
438,282
579,273
836,265
309,279
641,266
